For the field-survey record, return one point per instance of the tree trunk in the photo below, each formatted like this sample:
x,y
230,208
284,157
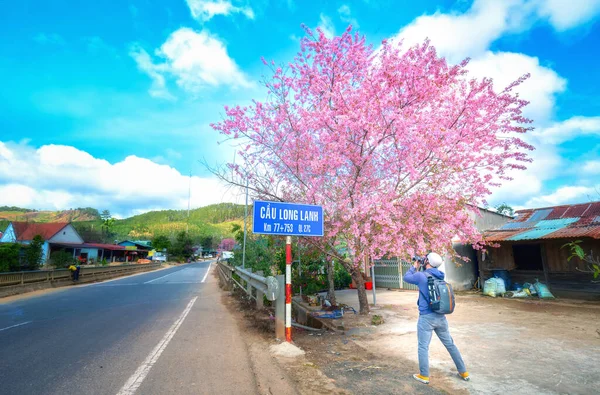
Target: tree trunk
x,y
331,282
362,292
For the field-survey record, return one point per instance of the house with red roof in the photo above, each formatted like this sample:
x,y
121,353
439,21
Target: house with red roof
x,y
63,236
531,246
51,233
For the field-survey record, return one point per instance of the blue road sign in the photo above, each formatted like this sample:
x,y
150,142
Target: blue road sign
x,y
287,219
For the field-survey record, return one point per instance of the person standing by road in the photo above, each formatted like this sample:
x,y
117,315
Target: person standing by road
x,y
73,270
430,321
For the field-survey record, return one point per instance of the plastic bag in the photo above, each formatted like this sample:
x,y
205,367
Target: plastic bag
x,y
500,286
524,293
530,288
490,287
542,290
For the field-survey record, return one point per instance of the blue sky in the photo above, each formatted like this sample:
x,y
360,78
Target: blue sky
x,y
97,94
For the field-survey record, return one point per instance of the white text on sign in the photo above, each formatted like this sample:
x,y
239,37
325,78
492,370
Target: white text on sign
x,y
289,214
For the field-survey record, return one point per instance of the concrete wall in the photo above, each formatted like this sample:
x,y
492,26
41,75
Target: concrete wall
x,y
67,235
488,220
463,274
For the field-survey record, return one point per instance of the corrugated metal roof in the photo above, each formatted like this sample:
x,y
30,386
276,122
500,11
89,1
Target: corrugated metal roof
x,y
578,220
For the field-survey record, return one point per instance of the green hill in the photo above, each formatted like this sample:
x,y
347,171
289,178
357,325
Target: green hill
x,y
8,214
210,222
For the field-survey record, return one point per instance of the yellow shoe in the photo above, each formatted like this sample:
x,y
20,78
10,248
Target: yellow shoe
x,y
422,379
464,376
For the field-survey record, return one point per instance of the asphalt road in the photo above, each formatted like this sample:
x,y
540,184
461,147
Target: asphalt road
x,y
155,333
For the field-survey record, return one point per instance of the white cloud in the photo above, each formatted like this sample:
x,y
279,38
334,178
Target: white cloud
x,y
62,177
145,64
326,26
592,167
540,89
565,195
460,35
195,59
547,163
560,132
565,14
198,59
204,10
346,15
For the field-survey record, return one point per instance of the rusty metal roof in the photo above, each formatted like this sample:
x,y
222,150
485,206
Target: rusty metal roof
x,y
567,221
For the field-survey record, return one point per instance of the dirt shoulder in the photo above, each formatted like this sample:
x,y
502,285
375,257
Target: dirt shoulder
x,y
509,346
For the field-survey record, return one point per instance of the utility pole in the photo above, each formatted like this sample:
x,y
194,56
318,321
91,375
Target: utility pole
x,y
187,226
245,223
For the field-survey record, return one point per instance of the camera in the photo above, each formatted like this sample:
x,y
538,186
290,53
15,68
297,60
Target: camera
x,y
422,260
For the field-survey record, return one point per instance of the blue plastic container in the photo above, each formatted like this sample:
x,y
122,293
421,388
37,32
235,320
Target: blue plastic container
x,y
503,274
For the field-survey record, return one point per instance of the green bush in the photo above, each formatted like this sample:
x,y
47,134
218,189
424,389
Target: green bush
x,y
34,253
342,278
9,257
62,259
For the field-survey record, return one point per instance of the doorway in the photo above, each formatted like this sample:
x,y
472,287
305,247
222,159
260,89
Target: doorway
x,y
528,257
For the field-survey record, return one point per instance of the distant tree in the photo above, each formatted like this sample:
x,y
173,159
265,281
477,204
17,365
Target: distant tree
x,y
105,215
161,242
182,247
227,244
207,242
107,226
34,253
505,209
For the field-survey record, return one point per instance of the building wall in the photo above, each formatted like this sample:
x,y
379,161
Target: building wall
x,y
9,235
45,252
461,274
67,235
564,277
488,220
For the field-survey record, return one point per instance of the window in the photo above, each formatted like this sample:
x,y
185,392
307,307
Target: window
x,y
528,257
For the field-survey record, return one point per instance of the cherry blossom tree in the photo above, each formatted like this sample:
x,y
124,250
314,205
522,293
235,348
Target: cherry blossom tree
x,y
396,145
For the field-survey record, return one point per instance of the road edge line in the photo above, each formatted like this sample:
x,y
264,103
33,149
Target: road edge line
x,y
134,382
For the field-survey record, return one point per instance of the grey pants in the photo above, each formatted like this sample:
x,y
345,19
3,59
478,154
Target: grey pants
x,y
427,324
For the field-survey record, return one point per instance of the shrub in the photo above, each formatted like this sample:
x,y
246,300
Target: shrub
x,y
34,254
9,257
341,277
62,259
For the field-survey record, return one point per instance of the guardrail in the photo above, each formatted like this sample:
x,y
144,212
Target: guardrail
x,y
256,286
17,278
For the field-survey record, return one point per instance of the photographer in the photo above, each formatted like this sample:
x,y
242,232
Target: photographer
x,y
430,321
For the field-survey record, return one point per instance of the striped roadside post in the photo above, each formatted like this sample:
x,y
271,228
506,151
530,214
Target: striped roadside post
x,y
288,289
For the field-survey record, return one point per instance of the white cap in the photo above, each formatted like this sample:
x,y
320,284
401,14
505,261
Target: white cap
x,y
435,260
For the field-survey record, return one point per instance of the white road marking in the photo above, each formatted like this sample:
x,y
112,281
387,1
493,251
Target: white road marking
x,y
177,282
207,270
140,374
14,326
115,285
166,275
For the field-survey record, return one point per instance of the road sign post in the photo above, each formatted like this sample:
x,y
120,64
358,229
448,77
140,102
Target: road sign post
x,y
287,219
